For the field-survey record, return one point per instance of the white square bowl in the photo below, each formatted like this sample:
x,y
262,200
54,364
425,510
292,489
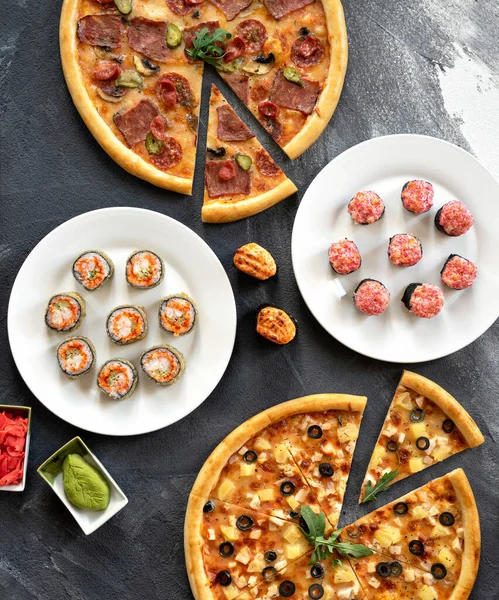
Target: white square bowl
x,y
23,411
51,472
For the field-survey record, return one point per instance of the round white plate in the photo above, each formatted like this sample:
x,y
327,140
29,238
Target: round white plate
x,y
384,165
190,266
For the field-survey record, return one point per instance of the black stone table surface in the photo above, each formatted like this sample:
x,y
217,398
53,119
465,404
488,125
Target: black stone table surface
x,y
404,58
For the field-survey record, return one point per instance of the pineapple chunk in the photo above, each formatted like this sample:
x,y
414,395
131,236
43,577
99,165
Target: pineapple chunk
x,y
348,433
225,489
440,531
447,557
246,470
416,464
293,534
262,444
266,495
343,576
231,534
418,429
403,400
257,565
293,502
281,453
419,513
427,593
245,596
295,550
387,536
377,455
230,591
440,453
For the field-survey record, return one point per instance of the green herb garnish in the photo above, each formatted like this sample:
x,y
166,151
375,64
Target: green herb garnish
x,y
382,485
205,45
324,547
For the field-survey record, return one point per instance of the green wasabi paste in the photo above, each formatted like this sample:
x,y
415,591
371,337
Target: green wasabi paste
x,y
84,485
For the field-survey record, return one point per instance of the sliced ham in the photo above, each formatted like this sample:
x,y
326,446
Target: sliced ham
x,y
239,184
291,95
239,85
100,30
230,127
135,122
149,38
280,8
231,8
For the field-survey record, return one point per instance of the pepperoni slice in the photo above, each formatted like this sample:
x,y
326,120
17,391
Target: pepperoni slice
x,y
253,33
179,7
159,126
234,49
269,109
167,93
183,92
227,171
266,165
106,71
170,156
307,51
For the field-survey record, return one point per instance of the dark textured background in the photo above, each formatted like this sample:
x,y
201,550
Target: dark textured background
x,y
52,169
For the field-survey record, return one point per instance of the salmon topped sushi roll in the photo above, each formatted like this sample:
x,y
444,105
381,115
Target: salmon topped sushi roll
x,y
65,312
117,378
76,356
366,207
163,364
144,270
127,324
93,269
177,314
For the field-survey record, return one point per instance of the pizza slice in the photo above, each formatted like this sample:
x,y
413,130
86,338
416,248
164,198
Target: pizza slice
x,y
321,433
230,548
434,529
240,177
424,425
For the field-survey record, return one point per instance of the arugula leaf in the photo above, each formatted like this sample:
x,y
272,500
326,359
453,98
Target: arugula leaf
x,y
382,485
316,524
337,563
205,45
353,550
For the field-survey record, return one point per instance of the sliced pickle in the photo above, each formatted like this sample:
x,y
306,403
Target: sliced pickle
x,y
291,74
124,6
173,36
129,79
153,145
145,67
244,161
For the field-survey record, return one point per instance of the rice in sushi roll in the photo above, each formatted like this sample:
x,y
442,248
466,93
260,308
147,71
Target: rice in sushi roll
x,y
126,324
366,208
424,300
454,219
177,314
76,356
163,364
405,250
371,297
417,196
144,270
117,378
344,257
458,272
65,312
93,269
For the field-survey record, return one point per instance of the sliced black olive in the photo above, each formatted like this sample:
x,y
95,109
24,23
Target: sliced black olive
x,y
392,446
417,415
287,488
244,523
422,443
226,549
353,532
446,519
269,574
265,60
438,571
316,591
224,578
196,14
208,507
315,432
270,555
304,31
326,470
395,568
294,514
383,569
416,547
448,425
287,589
317,571
400,509
250,457
217,152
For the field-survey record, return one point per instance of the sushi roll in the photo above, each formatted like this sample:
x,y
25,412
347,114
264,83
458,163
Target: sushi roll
x,y
165,365
144,270
454,218
458,272
93,269
344,257
417,196
76,356
371,297
424,300
366,208
126,324
177,314
65,312
405,250
117,378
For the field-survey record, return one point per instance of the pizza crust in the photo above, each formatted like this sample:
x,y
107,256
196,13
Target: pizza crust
x,y
331,91
316,403
447,403
125,157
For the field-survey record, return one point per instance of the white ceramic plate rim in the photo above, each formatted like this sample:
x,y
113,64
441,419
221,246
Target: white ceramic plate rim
x,y
375,145
230,317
